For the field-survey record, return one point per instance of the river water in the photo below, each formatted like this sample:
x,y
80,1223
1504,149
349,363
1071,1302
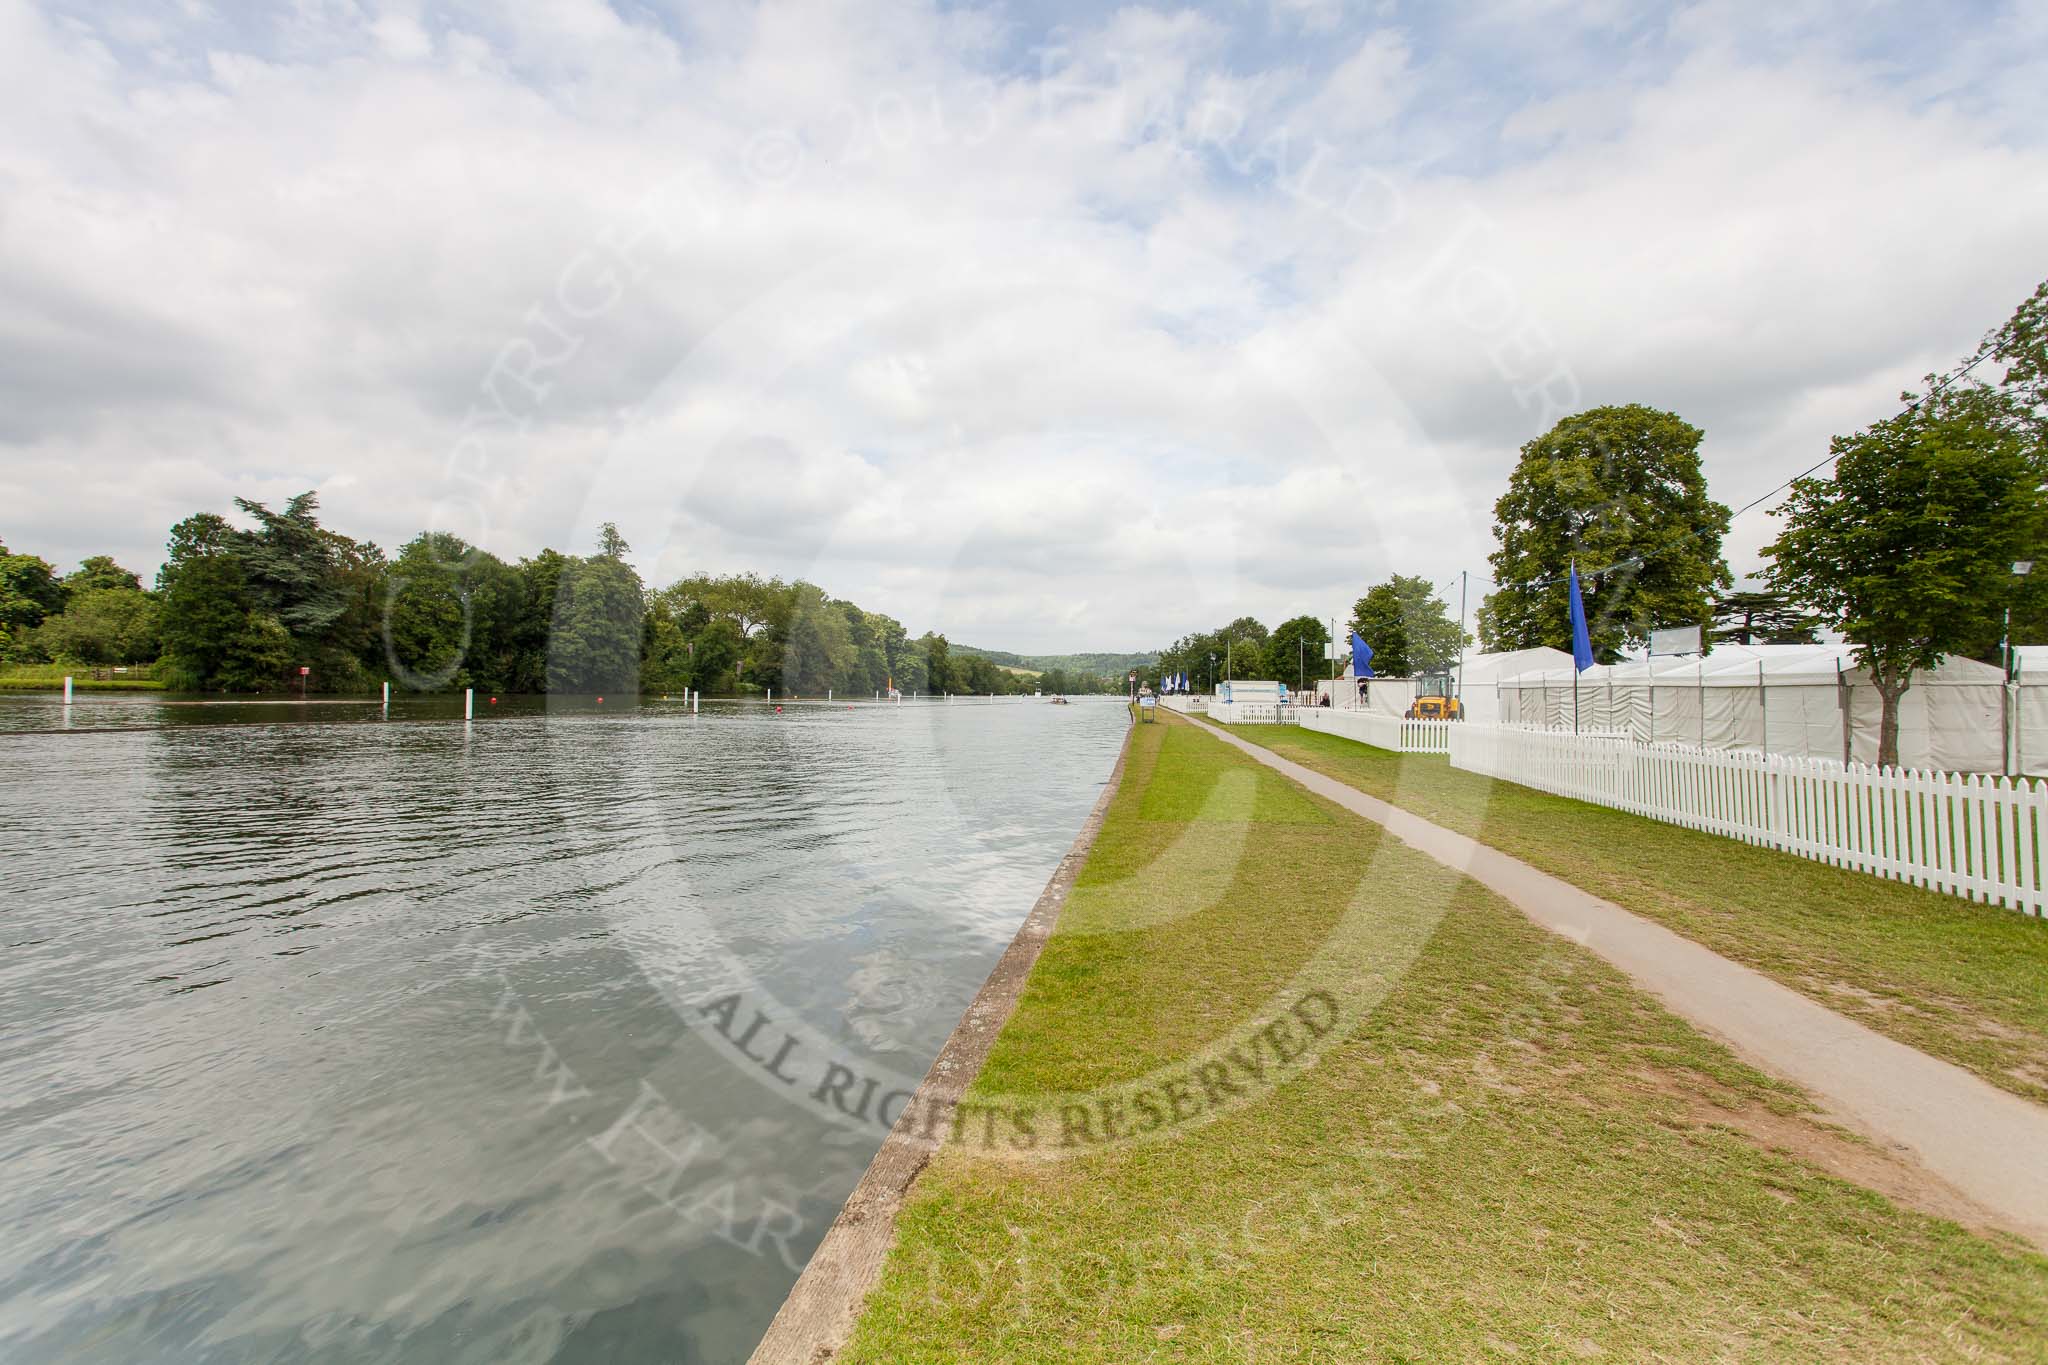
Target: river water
x,y
327,1035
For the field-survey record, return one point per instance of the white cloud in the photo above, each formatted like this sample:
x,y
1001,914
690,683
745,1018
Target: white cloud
x,y
1048,349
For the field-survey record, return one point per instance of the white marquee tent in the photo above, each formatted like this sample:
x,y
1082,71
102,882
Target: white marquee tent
x,y
1481,677
1807,700
1478,683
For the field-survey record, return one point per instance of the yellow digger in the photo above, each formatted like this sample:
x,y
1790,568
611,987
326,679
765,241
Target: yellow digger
x,y
1433,700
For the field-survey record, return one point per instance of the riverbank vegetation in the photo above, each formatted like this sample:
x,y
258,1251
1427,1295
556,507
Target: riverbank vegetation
x,y
244,607
50,678
1957,980
1515,1154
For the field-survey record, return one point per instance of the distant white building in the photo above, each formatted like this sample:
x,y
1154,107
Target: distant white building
x,y
1249,690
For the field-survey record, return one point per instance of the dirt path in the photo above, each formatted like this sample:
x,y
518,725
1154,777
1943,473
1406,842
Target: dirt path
x,y
1989,1146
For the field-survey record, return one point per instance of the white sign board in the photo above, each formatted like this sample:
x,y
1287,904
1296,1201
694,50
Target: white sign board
x,y
1676,640
1332,653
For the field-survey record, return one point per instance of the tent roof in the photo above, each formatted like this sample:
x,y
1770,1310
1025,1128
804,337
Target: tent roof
x,y
1751,665
1488,668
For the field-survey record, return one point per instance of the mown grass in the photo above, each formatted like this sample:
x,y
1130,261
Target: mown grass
x,y
1960,980
50,678
1514,1155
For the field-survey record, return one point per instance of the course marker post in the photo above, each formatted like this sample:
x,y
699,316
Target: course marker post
x,y
468,703
67,689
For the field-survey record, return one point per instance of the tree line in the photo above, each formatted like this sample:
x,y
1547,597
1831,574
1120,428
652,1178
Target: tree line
x,y
243,608
1913,546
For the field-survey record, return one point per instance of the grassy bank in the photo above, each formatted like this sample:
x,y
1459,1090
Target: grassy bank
x,y
1962,981
50,678
1510,1153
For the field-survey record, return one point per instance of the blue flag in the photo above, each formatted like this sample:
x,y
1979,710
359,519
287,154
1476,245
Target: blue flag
x,y
1361,657
1582,643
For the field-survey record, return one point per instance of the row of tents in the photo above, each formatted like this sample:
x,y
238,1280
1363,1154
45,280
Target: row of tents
x,y
1805,700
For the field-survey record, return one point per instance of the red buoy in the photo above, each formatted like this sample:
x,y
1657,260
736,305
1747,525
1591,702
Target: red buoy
x,y
494,701
600,701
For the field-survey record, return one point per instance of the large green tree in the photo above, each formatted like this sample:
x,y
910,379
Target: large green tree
x,y
1297,644
214,631
29,591
1925,510
451,616
595,643
1619,490
2020,346
1409,628
292,567
818,649
206,615
1243,650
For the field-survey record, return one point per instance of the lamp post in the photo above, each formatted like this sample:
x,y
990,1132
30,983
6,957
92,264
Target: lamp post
x,y
2020,569
1212,674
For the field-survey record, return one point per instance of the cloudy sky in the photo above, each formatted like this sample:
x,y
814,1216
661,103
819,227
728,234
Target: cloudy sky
x,y
1047,326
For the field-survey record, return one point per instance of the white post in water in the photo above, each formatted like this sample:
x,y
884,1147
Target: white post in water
x,y
387,696
771,696
828,694
694,698
67,689
468,703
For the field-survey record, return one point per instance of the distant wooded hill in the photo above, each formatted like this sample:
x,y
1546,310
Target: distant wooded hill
x,y
1065,663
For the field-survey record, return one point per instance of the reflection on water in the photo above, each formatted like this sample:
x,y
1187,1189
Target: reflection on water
x,y
399,1040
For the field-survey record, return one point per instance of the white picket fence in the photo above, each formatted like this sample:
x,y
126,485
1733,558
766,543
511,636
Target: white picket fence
x,y
1381,731
1968,835
1251,712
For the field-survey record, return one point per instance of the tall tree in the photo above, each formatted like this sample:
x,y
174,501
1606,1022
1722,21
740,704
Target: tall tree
x,y
595,643
1298,642
29,590
291,567
1243,652
197,536
1923,511
818,648
938,664
213,632
1618,490
450,615
1756,616
1409,628
2021,346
